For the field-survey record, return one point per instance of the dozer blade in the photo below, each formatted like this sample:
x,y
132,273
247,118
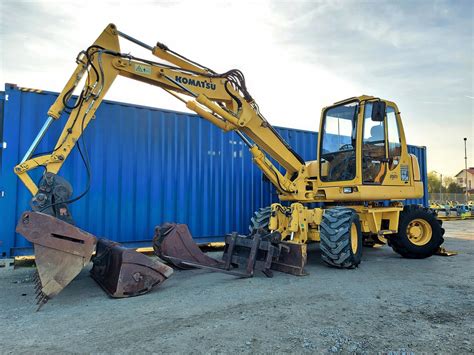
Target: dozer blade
x,y
123,272
61,251
173,242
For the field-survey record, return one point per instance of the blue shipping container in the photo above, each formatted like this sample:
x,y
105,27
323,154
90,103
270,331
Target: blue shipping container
x,y
149,166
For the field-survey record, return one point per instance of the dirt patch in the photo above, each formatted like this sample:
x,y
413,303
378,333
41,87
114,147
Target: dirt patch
x,y
387,305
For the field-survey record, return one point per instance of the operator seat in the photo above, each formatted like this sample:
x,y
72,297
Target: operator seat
x,y
376,134
373,152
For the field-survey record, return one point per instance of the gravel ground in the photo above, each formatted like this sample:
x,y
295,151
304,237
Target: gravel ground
x,y
387,305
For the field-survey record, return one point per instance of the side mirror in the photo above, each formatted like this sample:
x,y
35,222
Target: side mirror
x,y
378,111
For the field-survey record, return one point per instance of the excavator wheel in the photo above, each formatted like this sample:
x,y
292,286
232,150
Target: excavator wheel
x,y
260,220
419,233
341,238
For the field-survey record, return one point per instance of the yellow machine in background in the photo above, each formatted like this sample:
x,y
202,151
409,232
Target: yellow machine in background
x,y
362,150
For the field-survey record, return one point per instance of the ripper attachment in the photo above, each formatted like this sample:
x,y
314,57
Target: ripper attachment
x,y
124,272
61,251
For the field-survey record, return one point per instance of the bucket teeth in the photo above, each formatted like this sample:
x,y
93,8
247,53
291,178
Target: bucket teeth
x,y
38,297
38,286
39,294
41,301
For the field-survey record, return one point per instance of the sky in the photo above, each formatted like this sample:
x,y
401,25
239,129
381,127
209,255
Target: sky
x,y
297,56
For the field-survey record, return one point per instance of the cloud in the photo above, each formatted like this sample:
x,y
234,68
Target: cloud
x,y
297,56
426,45
417,53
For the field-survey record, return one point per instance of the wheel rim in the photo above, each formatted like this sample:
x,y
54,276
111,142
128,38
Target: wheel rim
x,y
419,232
354,238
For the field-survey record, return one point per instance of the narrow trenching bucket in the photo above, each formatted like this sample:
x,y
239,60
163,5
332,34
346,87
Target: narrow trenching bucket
x,y
123,272
61,251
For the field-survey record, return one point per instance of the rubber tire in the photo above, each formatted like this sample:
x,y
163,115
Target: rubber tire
x,y
402,245
335,234
260,220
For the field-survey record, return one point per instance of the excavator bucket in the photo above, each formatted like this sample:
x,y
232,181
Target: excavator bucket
x,y
173,242
61,251
123,272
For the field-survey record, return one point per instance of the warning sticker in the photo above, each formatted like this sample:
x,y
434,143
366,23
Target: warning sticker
x,y
404,173
143,69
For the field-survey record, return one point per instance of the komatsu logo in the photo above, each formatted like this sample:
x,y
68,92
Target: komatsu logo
x,y
197,83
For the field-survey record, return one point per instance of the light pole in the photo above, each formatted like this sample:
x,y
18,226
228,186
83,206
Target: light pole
x,y
465,165
440,186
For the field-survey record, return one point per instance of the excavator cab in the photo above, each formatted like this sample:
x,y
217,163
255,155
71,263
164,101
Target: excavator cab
x,y
362,143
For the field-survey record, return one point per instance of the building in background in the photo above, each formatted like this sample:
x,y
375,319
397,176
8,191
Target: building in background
x,y
461,180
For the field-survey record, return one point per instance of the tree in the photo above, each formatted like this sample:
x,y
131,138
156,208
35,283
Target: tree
x,y
448,180
434,182
455,188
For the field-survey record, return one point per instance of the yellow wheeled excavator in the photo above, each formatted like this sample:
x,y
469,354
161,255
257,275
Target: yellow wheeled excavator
x,y
362,159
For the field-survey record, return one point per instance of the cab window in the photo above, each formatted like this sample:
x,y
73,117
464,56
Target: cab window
x,y
338,139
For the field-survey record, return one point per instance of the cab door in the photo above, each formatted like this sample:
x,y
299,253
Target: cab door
x,y
382,146
374,144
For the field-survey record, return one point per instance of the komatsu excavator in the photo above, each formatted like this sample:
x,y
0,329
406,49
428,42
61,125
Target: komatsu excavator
x,y
362,159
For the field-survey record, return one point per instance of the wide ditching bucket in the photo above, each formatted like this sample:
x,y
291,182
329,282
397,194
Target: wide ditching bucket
x,y
123,272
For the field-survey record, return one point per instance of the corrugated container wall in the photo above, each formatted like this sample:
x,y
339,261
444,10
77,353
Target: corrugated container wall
x,y
149,166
